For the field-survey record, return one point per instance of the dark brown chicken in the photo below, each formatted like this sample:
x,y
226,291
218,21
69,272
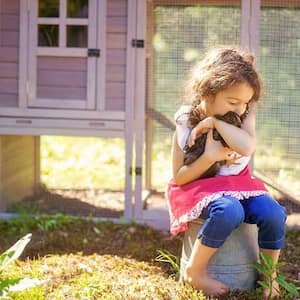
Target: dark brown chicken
x,y
195,151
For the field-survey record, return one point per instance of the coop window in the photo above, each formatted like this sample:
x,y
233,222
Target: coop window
x,y
63,24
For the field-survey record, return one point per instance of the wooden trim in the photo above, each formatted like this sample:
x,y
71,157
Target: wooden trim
x,y
61,131
100,75
62,123
59,103
129,109
62,52
196,2
244,23
1,40
32,50
56,21
44,126
254,28
37,161
92,61
276,3
250,25
149,76
140,88
264,3
61,113
62,23
2,204
23,55
48,21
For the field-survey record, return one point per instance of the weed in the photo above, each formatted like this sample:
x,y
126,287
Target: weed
x,y
267,268
8,257
167,257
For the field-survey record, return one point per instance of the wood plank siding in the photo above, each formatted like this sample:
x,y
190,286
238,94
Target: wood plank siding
x,y
116,35
9,46
54,78
59,77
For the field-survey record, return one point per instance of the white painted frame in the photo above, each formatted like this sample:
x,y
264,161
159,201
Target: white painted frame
x,y
250,13
101,62
23,55
249,37
129,114
62,50
140,99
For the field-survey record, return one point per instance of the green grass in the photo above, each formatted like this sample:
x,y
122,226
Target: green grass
x,y
72,162
81,259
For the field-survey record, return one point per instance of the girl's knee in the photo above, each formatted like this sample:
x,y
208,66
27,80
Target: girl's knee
x,y
269,212
275,216
229,210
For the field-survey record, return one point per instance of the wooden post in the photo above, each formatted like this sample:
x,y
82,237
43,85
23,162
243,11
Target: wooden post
x,y
19,168
140,94
129,114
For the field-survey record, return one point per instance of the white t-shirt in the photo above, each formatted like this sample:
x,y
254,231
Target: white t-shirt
x,y
183,131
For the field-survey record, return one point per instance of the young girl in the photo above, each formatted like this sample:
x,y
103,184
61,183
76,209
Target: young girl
x,y
225,80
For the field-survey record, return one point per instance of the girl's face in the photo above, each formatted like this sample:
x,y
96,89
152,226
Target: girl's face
x,y
234,98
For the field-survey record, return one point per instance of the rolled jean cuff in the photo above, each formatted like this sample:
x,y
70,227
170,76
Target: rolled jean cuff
x,y
272,245
210,243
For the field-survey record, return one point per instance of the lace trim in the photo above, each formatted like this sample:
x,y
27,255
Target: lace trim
x,y
195,212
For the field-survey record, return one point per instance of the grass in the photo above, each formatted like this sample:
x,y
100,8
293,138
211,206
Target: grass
x,y
73,162
80,259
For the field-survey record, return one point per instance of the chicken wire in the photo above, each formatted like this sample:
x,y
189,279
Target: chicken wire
x,y
278,120
179,34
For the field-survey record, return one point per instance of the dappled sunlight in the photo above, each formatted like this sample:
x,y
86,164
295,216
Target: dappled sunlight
x,y
272,162
72,162
81,259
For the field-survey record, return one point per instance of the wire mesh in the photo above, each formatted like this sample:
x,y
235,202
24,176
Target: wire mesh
x,y
180,35
278,120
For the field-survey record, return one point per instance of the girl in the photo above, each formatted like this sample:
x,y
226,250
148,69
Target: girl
x,y
225,80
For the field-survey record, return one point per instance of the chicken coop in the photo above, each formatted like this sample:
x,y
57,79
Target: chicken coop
x,y
115,68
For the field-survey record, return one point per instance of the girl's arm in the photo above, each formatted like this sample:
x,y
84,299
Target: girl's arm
x,y
242,140
214,151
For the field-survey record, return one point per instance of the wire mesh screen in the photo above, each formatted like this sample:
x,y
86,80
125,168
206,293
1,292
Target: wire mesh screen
x,y
180,35
278,121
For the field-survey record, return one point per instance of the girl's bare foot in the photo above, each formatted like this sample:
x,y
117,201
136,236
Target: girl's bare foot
x,y
202,281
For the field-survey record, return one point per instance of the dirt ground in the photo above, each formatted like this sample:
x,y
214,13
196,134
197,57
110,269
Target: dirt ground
x,y
103,203
132,240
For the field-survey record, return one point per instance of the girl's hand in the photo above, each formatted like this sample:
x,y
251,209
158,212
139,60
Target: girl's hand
x,y
214,150
202,127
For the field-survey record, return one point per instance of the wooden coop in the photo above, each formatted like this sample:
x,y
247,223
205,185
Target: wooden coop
x,y
114,68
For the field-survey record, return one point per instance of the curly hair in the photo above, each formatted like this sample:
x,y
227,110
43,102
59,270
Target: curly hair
x,y
221,68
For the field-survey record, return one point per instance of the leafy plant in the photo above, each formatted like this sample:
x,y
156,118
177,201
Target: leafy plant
x,y
167,257
46,223
9,256
267,268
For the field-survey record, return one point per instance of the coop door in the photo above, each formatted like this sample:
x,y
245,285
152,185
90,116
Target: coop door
x,y
63,53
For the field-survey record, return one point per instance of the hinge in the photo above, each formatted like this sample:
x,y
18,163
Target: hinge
x,y
93,52
137,43
137,171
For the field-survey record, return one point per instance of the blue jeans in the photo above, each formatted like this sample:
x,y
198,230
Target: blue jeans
x,y
225,214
